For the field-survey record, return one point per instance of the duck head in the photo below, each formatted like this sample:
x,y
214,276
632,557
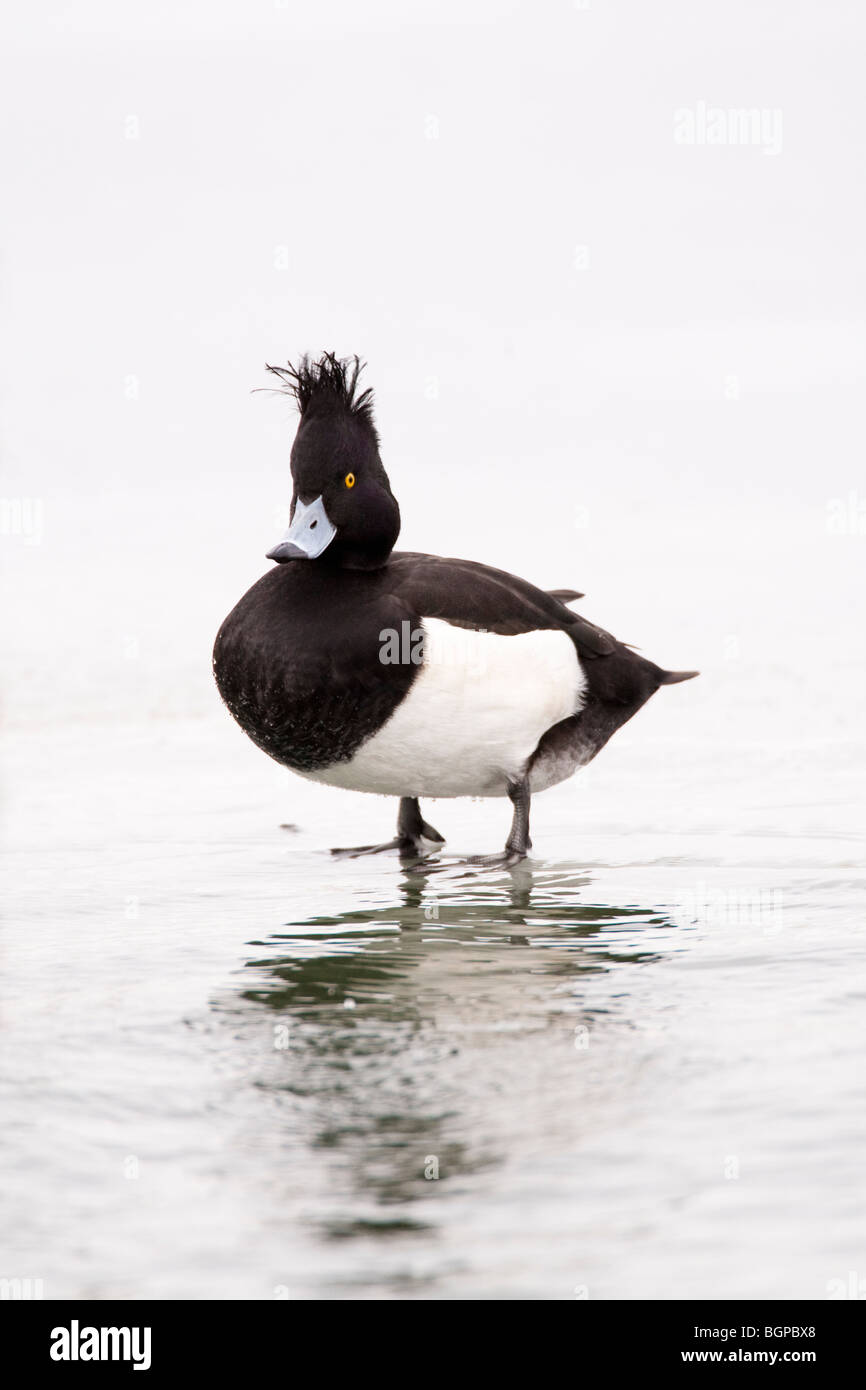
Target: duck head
x,y
343,511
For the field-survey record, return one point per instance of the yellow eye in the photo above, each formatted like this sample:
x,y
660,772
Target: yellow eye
x,y
350,480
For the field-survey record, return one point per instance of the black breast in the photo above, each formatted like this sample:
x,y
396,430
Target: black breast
x,y
297,662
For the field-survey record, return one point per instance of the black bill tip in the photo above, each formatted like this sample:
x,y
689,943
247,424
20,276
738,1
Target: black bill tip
x,y
286,551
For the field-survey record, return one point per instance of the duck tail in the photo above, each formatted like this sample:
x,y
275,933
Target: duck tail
x,y
674,677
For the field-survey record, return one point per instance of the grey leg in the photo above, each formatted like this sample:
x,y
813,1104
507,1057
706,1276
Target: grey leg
x,y
411,825
412,830
518,841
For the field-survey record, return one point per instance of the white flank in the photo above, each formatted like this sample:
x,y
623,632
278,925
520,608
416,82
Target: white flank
x,y
472,718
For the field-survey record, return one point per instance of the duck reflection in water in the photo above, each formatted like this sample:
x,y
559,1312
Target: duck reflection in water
x,y
381,1014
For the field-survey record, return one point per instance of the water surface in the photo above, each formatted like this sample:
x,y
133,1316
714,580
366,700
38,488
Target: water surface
x,y
235,1067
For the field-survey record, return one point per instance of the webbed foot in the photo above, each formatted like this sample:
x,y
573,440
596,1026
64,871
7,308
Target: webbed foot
x,y
412,833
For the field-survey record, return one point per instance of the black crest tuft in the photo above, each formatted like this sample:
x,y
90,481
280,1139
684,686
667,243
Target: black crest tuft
x,y
330,384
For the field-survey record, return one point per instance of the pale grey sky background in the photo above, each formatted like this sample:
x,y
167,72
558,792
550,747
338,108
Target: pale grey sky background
x,y
602,357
